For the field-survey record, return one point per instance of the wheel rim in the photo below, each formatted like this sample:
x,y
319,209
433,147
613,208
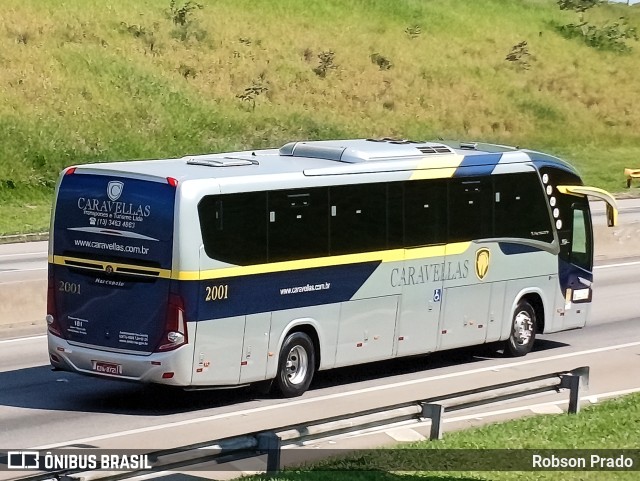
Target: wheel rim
x,y
297,365
522,328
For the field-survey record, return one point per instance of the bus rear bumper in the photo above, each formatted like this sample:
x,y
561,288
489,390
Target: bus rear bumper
x,y
171,368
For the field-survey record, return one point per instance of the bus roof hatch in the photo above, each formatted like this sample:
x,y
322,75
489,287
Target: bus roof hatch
x,y
363,150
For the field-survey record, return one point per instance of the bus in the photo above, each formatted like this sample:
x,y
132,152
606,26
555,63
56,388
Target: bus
x,y
266,266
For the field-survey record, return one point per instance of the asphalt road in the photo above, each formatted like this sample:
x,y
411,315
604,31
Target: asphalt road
x,y
20,262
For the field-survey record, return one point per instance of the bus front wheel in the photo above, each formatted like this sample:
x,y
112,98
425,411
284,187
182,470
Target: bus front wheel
x,y
523,330
296,365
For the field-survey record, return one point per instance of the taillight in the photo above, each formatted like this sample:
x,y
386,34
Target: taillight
x,y
175,331
173,182
52,313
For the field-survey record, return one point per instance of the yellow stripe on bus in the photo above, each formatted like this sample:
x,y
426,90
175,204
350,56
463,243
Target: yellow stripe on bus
x,y
395,255
437,168
102,266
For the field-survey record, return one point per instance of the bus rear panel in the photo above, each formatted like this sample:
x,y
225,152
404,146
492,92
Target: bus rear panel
x,y
110,293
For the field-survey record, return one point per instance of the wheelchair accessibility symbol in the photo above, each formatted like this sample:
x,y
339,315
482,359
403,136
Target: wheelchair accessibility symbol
x,y
437,295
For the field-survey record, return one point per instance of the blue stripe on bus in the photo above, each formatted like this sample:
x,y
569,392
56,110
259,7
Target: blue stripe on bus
x,y
243,295
480,164
541,160
111,311
513,248
569,276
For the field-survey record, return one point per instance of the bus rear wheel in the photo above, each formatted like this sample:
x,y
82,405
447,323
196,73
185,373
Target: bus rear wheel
x,y
523,330
296,365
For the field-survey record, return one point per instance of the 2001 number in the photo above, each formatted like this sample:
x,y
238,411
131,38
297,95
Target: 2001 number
x,y
217,293
69,287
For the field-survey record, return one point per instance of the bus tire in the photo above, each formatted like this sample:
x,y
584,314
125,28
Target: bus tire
x,y
296,365
523,330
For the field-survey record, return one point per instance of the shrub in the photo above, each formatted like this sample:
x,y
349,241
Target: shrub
x,y
413,31
326,63
148,37
182,17
382,62
520,56
612,37
187,71
252,92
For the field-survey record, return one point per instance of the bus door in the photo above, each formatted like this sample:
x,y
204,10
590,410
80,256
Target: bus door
x,y
573,222
420,276
421,282
575,259
467,274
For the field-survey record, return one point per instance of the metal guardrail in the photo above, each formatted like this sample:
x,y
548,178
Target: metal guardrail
x,y
271,442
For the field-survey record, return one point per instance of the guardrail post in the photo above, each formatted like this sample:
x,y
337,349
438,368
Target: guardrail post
x,y
435,413
574,381
270,444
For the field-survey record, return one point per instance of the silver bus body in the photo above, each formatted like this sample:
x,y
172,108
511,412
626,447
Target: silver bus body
x,y
230,269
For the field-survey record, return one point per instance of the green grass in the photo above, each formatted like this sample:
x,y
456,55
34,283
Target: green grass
x,y
611,425
85,81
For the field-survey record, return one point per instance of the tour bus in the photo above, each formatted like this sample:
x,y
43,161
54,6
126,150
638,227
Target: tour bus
x,y
266,266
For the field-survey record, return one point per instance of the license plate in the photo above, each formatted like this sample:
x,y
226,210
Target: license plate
x,y
107,367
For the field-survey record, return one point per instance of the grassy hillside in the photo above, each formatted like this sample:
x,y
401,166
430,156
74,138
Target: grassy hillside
x,y
86,80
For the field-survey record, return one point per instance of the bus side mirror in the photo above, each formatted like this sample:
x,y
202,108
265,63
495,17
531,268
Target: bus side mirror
x,y
612,216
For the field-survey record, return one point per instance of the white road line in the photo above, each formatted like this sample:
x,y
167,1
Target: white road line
x,y
23,254
14,271
622,264
22,339
299,402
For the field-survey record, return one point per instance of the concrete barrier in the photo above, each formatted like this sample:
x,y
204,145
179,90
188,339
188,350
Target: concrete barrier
x,y
617,242
23,306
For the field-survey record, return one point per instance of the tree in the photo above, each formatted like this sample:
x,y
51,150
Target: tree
x,y
579,6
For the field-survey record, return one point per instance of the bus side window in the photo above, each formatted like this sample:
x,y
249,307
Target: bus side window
x,y
425,212
579,250
358,218
395,217
581,243
470,209
520,207
298,224
234,227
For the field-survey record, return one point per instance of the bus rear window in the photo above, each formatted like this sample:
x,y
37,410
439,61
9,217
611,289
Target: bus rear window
x,y
114,218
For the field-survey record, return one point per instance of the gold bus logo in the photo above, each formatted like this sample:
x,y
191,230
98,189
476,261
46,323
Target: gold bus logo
x,y
483,256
